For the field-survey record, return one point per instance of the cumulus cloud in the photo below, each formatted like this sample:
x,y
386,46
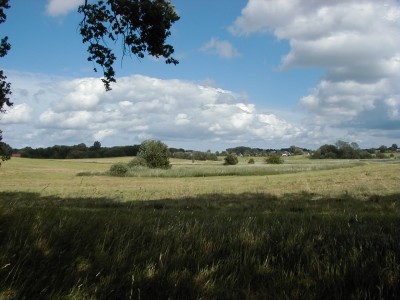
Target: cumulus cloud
x,y
80,94
141,107
354,42
20,113
222,48
62,7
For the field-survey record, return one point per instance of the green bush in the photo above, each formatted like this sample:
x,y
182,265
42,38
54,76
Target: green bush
x,y
119,169
381,155
274,159
137,162
251,161
231,159
155,154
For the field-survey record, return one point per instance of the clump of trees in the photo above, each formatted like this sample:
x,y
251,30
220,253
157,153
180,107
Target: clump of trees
x,y
341,150
275,159
231,159
152,154
155,154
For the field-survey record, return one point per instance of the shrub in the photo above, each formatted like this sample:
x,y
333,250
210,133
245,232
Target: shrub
x,y
251,161
381,155
137,162
274,159
231,159
155,154
119,169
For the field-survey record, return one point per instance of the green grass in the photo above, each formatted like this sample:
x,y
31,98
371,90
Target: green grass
x,y
332,232
319,177
246,246
259,169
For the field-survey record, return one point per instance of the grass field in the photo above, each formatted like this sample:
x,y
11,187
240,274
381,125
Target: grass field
x,y
319,177
307,229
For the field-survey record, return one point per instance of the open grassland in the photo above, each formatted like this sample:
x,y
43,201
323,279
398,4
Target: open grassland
x,y
319,177
330,231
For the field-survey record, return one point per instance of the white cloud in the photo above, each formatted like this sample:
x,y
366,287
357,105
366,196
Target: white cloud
x,y
17,114
393,105
62,7
181,119
141,107
102,134
355,42
81,94
222,48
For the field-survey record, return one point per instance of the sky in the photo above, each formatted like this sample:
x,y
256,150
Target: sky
x,y
257,73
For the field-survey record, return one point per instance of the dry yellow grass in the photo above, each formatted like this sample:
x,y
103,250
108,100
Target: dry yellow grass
x,y
58,177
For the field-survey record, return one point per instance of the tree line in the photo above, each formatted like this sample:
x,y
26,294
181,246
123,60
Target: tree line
x,y
97,151
345,150
258,152
78,151
339,150
193,155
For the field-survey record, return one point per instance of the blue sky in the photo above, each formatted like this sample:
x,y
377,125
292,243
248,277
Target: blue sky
x,y
261,73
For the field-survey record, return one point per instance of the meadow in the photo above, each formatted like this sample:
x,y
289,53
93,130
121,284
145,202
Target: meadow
x,y
307,229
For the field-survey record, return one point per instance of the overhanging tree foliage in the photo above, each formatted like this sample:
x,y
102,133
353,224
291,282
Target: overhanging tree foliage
x,y
5,152
5,87
142,26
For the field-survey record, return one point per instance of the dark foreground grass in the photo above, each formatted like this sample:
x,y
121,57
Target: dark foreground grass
x,y
250,246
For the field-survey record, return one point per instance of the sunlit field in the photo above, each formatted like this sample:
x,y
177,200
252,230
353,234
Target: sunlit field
x,y
319,177
306,229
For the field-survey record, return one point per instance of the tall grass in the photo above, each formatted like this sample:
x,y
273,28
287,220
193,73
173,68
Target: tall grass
x,y
180,171
216,246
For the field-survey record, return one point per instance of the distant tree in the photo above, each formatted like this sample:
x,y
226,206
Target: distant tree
x,y
383,149
296,150
326,151
274,159
355,146
341,144
5,151
231,159
75,154
96,146
347,150
251,161
155,153
131,150
142,27
394,147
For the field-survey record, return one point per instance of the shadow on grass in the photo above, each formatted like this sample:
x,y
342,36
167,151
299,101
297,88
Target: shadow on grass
x,y
301,202
217,246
